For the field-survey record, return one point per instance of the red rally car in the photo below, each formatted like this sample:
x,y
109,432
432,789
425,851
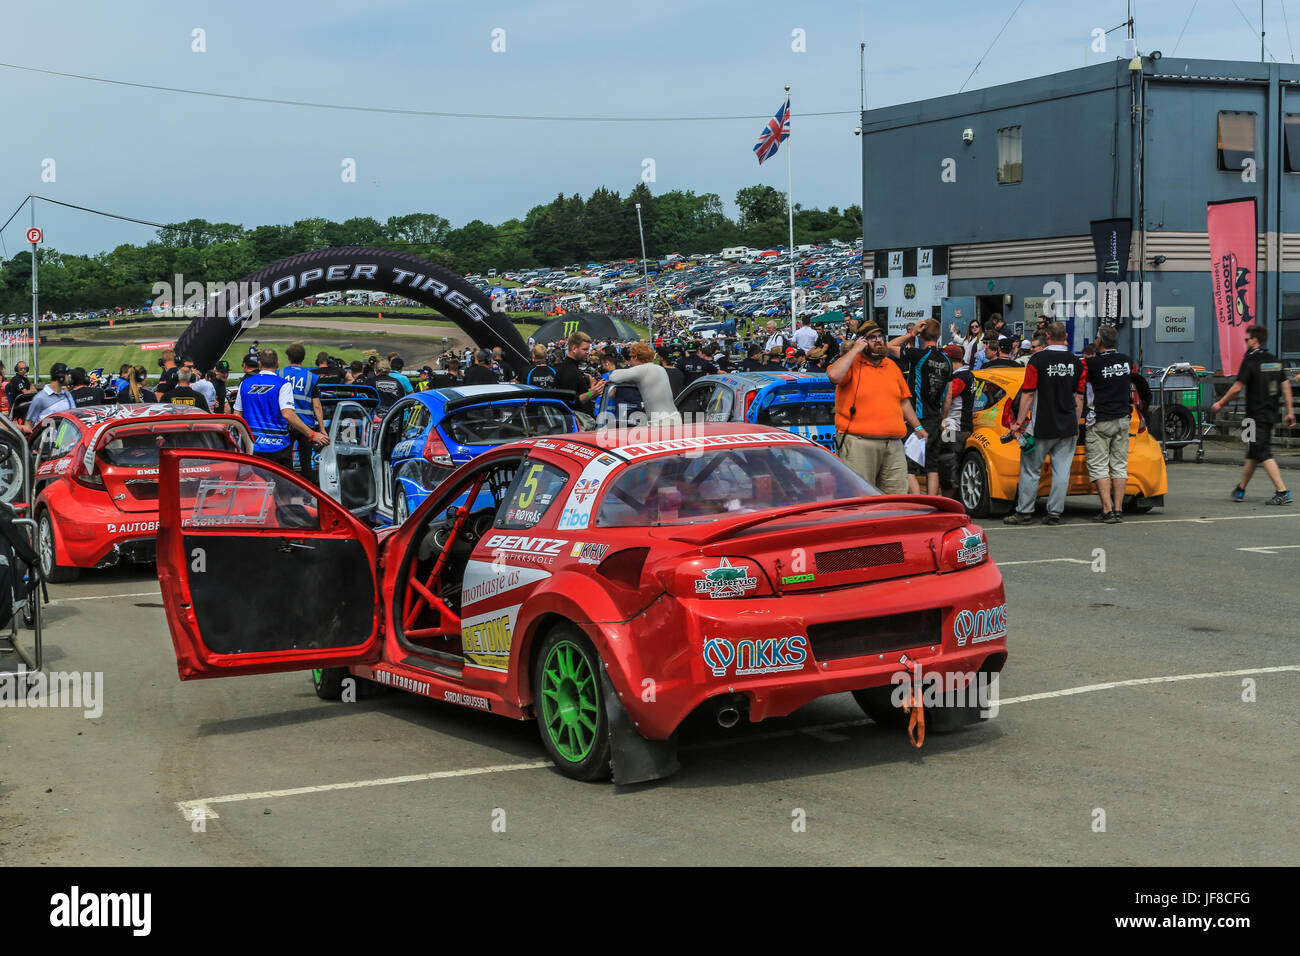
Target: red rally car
x,y
95,479
612,586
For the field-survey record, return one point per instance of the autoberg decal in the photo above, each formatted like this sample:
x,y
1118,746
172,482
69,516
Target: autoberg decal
x,y
987,624
137,527
756,656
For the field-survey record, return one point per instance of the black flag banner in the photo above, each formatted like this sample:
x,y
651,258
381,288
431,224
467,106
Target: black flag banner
x,y
1110,243
334,270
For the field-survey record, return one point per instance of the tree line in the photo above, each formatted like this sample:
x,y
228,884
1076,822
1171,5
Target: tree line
x,y
568,229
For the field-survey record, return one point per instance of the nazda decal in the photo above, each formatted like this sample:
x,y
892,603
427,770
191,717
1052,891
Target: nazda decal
x,y
987,624
756,656
798,578
973,548
726,580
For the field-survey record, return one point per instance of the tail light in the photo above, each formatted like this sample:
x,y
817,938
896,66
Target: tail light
x,y
749,400
713,578
963,548
436,452
83,472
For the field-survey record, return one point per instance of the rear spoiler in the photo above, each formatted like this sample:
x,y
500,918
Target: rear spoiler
x,y
721,528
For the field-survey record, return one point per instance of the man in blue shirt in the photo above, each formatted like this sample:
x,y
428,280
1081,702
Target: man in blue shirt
x,y
306,402
265,401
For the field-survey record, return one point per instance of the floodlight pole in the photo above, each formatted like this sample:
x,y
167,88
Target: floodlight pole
x,y
645,272
36,336
789,197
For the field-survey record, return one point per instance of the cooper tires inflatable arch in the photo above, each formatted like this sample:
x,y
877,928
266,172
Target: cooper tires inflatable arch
x,y
353,267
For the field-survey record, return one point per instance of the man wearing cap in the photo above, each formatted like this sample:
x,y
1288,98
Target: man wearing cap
x,y
52,398
873,411
775,361
1000,355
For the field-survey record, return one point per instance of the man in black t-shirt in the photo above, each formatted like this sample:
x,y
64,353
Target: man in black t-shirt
x,y
928,377
1051,402
958,414
82,392
696,364
754,360
540,374
182,394
571,378
481,372
1110,387
448,377
389,389
1263,381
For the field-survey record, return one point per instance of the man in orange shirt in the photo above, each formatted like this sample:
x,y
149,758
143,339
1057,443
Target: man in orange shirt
x,y
873,411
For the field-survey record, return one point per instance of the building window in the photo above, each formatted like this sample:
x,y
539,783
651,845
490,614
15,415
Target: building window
x,y
1291,142
1236,139
1009,164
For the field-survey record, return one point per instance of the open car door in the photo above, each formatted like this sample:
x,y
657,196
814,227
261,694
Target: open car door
x,y
261,572
347,472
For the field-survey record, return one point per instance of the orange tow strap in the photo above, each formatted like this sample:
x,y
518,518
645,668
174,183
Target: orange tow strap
x,y
912,703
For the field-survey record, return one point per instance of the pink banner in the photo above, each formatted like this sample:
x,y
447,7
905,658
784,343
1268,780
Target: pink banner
x,y
155,346
1232,272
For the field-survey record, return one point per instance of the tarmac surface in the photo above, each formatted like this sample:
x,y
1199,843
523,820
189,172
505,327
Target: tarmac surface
x,y
1149,715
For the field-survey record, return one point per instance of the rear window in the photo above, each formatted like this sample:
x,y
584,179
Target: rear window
x,y
140,450
494,424
680,489
791,414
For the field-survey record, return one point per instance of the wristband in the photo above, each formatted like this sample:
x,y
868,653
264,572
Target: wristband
x,y
918,428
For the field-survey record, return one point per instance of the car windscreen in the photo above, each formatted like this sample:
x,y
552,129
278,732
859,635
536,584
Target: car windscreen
x,y
140,449
494,424
688,489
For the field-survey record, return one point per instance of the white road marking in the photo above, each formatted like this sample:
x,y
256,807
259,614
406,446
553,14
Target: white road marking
x,y
1077,523
201,809
104,597
1271,549
1005,564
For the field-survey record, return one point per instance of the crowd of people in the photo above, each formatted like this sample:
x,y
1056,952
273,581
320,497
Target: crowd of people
x,y
903,406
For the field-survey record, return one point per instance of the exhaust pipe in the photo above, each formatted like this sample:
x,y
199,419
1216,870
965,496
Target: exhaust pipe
x,y
728,711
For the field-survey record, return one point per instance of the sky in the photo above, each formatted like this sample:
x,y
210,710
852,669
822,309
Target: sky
x,y
168,157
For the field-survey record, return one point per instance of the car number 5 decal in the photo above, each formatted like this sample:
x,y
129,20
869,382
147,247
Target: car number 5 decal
x,y
530,486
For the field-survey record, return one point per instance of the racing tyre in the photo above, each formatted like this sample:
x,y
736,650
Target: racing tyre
x,y
400,510
1173,423
570,705
328,682
1137,503
877,704
973,486
54,572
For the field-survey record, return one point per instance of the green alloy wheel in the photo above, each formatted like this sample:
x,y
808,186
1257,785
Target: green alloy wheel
x,y
570,705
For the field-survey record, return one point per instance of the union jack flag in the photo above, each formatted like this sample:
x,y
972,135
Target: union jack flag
x,y
774,134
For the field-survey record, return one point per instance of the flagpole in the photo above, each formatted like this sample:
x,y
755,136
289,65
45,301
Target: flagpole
x,y
790,205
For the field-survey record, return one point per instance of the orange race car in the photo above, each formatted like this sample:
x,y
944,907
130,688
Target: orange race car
x,y
989,471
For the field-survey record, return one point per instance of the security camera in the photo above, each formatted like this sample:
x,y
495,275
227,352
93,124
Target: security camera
x,y
1155,55
968,136
857,131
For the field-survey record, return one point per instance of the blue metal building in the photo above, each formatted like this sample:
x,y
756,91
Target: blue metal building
x,y
1000,186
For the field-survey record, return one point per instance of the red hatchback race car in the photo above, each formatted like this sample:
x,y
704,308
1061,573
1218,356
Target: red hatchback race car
x,y
612,587
95,479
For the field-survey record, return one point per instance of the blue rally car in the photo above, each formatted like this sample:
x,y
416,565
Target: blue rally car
x,y
799,402
426,435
